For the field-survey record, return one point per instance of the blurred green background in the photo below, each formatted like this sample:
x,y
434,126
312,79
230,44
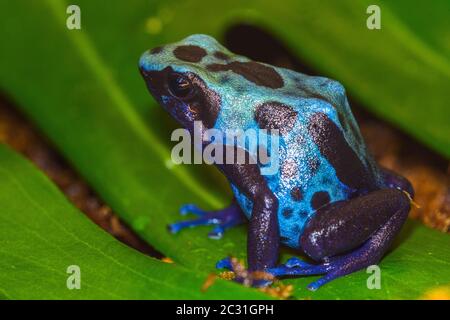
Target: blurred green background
x,y
83,90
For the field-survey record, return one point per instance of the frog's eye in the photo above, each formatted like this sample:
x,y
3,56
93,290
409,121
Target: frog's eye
x,y
180,86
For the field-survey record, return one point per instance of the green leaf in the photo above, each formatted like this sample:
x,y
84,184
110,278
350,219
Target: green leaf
x,y
83,90
41,235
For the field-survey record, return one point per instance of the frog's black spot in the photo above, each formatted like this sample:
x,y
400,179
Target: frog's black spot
x,y
319,199
303,214
189,53
156,50
275,115
332,144
220,55
313,165
217,67
296,194
284,239
258,73
287,213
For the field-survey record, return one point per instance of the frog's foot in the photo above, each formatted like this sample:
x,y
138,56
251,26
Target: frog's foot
x,y
297,267
242,275
335,267
222,219
348,236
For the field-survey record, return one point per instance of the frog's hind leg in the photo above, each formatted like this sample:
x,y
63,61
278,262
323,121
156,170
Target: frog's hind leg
x,y
395,181
222,219
349,235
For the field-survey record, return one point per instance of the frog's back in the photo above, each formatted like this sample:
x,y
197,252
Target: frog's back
x,y
322,156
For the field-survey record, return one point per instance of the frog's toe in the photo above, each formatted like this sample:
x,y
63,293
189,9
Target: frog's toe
x,y
191,208
335,269
217,232
248,278
303,270
296,262
178,226
225,263
313,286
295,266
222,219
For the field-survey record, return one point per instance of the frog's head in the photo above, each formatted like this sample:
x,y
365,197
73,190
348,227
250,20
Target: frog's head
x,y
177,77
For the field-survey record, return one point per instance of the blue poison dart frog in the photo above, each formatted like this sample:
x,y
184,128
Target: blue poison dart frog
x,y
328,199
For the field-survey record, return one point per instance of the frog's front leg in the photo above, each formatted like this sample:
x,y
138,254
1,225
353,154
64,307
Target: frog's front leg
x,y
263,233
347,236
222,219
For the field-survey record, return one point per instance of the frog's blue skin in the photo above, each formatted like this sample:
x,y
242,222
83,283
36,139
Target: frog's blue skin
x,y
329,198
